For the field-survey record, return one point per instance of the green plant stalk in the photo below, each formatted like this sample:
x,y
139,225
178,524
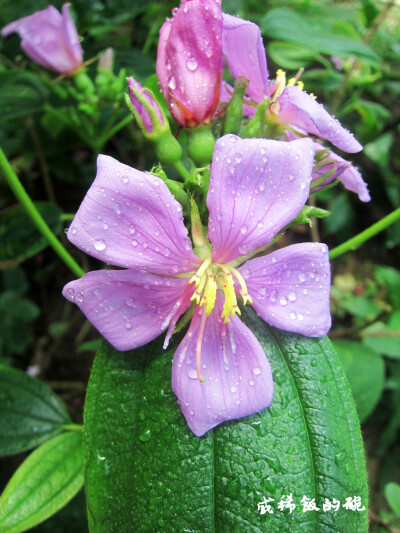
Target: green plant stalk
x,y
36,217
370,232
73,427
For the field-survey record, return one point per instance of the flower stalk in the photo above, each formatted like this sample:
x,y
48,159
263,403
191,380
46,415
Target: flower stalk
x,y
36,217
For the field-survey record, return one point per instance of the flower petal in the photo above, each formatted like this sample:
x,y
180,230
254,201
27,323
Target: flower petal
x,y
189,61
299,109
257,186
243,49
352,181
290,288
130,219
128,307
71,38
237,384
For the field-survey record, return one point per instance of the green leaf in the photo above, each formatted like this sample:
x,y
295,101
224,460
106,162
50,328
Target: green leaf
x,y
361,306
145,470
392,493
30,413
384,338
291,56
286,25
390,278
19,237
365,371
20,93
46,481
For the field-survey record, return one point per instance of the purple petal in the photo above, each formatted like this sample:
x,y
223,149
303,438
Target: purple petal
x,y
300,110
290,288
238,376
49,38
128,307
257,186
189,61
348,175
130,219
244,52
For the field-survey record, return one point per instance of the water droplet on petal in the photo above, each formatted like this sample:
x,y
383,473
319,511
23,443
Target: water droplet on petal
x,y
243,249
292,296
166,252
243,229
172,83
256,371
192,373
100,245
262,292
192,63
283,301
302,277
134,243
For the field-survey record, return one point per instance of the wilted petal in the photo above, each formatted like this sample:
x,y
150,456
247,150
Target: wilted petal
x,y
128,307
189,61
130,219
257,186
244,53
49,38
238,376
299,109
290,288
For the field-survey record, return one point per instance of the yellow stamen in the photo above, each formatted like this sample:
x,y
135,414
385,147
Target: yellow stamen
x,y
244,292
230,304
280,80
210,293
197,277
197,293
300,85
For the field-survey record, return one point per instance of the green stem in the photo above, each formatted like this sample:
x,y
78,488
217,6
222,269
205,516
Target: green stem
x,y
121,124
181,169
73,427
370,232
36,217
67,217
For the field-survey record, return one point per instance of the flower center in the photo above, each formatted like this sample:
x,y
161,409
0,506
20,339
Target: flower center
x,y
212,276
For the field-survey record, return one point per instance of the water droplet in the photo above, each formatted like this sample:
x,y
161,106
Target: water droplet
x,y
192,63
145,436
100,245
262,292
293,316
292,296
134,243
71,293
172,83
243,249
262,186
305,291
256,371
79,298
243,229
233,389
300,316
128,325
130,302
192,373
145,244
166,252
283,301
73,231
238,158
105,226
302,277
125,179
274,295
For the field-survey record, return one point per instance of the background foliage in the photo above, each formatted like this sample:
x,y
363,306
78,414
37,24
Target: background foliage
x,y
351,53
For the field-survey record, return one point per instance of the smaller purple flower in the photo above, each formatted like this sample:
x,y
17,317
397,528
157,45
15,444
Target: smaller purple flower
x,y
336,167
244,54
130,219
145,117
189,61
49,38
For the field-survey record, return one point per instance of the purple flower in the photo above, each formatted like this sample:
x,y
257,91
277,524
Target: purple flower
x,y
145,119
49,38
290,105
189,61
335,167
130,219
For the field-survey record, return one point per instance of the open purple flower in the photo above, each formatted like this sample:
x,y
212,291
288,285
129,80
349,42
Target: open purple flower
x,y
245,56
130,219
189,61
49,38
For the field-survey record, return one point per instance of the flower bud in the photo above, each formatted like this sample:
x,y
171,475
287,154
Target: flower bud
x,y
49,38
146,109
189,61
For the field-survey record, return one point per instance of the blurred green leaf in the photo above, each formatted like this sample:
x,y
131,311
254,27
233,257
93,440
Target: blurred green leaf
x,y
379,150
18,235
392,493
361,306
286,25
384,338
46,481
30,413
341,214
390,278
365,371
90,346
321,80
291,56
21,93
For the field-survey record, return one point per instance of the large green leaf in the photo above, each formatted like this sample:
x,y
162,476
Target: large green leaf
x,y
30,412
145,471
43,484
21,93
284,24
19,237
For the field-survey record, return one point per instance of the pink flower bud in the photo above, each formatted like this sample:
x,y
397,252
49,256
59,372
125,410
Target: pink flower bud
x,y
189,61
148,119
106,60
49,38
